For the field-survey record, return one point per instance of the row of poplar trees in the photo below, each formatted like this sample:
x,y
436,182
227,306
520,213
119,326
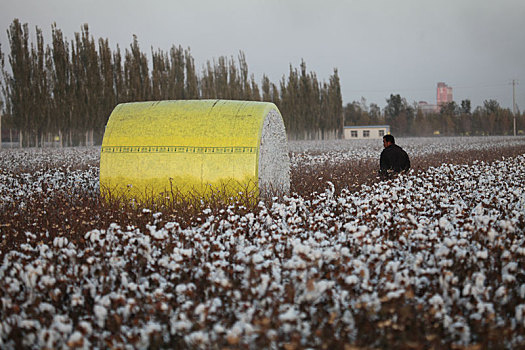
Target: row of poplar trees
x,y
64,92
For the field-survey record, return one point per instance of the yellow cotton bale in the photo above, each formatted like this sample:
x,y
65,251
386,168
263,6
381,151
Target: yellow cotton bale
x,y
153,150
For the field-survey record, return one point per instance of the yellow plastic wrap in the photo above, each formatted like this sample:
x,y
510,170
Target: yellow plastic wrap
x,y
153,149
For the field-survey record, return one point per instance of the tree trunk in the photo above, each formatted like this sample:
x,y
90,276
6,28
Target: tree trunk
x,y
20,138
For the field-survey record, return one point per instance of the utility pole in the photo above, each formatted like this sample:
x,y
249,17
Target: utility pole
x,y
514,103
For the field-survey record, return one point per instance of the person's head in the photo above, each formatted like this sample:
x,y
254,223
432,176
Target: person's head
x,y
388,140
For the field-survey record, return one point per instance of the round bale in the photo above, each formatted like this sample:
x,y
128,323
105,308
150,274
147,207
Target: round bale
x,y
165,149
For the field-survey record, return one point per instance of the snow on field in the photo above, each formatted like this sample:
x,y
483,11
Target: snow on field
x,y
432,260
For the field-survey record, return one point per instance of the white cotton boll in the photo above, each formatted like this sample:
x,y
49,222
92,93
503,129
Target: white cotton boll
x,y
290,315
132,286
104,301
484,254
124,279
450,242
27,324
257,258
85,327
476,316
60,242
77,300
157,234
363,228
508,278
376,233
263,286
507,226
395,294
492,234
76,340
170,225
186,252
47,281
200,311
480,280
180,326
442,251
519,314
218,328
412,219
345,252
436,301
234,332
466,289
46,307
145,333
197,338
522,291
510,267
350,227
318,290
463,330
478,210
520,251
445,225
100,313
62,324
14,287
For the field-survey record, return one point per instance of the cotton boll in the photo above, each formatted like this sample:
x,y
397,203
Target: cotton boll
x,y
492,234
100,313
519,314
289,316
76,340
46,307
198,338
445,225
479,280
482,254
466,289
351,280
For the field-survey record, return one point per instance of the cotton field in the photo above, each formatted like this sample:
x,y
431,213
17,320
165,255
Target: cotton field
x,y
431,259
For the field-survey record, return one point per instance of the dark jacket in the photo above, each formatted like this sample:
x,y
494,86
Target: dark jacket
x,y
393,160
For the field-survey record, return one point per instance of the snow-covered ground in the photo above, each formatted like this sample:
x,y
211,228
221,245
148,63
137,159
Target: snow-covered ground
x,y
428,260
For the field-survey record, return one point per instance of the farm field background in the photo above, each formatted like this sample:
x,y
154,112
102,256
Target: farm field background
x,y
431,259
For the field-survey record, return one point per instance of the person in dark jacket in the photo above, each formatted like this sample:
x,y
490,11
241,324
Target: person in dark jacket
x,y
393,158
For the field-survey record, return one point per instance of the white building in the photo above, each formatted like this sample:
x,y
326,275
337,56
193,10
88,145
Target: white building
x,y
366,132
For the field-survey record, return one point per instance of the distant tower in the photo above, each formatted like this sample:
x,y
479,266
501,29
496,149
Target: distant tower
x,y
444,94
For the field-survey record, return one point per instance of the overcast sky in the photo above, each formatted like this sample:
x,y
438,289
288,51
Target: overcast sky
x,y
378,46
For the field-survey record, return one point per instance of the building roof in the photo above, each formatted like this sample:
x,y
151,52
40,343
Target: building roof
x,y
366,126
